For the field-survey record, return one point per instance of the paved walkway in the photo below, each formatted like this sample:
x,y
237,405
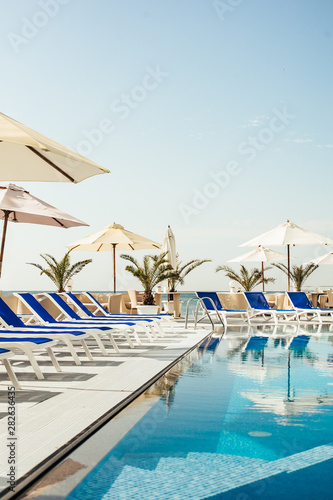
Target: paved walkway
x,y
52,412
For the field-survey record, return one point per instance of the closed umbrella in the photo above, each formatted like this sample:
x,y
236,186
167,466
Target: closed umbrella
x,y
261,254
27,155
169,246
288,234
18,205
112,238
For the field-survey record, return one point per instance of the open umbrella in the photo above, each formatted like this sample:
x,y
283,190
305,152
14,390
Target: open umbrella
x,y
261,254
113,238
26,155
324,260
18,205
288,234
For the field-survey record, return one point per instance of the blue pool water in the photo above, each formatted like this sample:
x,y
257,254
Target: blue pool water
x,y
250,418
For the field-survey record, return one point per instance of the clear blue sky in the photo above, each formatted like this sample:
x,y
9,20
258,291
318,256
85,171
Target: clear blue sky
x,y
221,124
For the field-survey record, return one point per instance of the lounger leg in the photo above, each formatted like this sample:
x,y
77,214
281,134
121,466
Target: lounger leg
x,y
113,342
160,329
148,333
125,333
11,374
136,336
144,327
86,350
53,359
100,343
72,351
33,363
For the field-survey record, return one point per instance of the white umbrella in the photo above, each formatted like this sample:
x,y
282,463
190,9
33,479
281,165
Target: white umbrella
x,y
326,259
169,246
288,234
18,205
113,238
26,155
261,254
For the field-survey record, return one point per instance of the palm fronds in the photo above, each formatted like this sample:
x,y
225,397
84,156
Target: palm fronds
x,y
247,279
298,274
60,271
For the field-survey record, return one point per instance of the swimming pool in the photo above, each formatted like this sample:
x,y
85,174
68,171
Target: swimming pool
x,y
250,417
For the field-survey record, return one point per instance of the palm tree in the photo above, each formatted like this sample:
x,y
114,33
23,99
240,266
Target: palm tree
x,y
298,274
154,270
60,271
182,271
247,279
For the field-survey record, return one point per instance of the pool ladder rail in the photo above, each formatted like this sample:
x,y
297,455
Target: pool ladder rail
x,y
200,302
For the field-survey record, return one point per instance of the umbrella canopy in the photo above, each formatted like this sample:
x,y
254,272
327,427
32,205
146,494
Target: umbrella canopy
x,y
26,155
288,234
113,238
260,254
169,246
18,205
325,260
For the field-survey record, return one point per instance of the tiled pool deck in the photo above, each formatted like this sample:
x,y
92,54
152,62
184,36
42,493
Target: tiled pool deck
x,y
51,413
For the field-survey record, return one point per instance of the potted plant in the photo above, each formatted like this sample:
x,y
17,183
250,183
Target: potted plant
x,y
60,272
154,270
181,271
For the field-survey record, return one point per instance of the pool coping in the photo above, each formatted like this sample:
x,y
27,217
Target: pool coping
x,y
26,481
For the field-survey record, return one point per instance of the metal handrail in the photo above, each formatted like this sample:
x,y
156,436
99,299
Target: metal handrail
x,y
207,312
187,309
200,301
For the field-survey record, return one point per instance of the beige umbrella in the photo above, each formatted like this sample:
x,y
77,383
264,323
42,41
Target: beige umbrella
x,y
26,155
169,246
324,260
288,234
261,254
18,205
113,238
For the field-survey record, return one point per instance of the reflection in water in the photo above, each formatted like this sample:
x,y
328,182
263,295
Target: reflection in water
x,y
246,358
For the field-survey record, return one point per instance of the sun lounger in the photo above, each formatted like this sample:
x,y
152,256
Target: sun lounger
x,y
27,345
159,319
303,307
84,313
260,308
95,329
125,327
13,324
5,354
214,308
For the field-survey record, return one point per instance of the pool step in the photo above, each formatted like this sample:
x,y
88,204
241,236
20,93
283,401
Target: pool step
x,y
206,461
201,475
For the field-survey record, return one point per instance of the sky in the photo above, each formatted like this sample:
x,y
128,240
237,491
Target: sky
x,y
218,120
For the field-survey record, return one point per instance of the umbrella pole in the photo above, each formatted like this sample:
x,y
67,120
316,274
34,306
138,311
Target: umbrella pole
x,y
262,272
4,232
114,268
288,254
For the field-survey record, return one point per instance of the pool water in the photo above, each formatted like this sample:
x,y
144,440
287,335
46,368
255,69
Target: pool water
x,y
250,418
